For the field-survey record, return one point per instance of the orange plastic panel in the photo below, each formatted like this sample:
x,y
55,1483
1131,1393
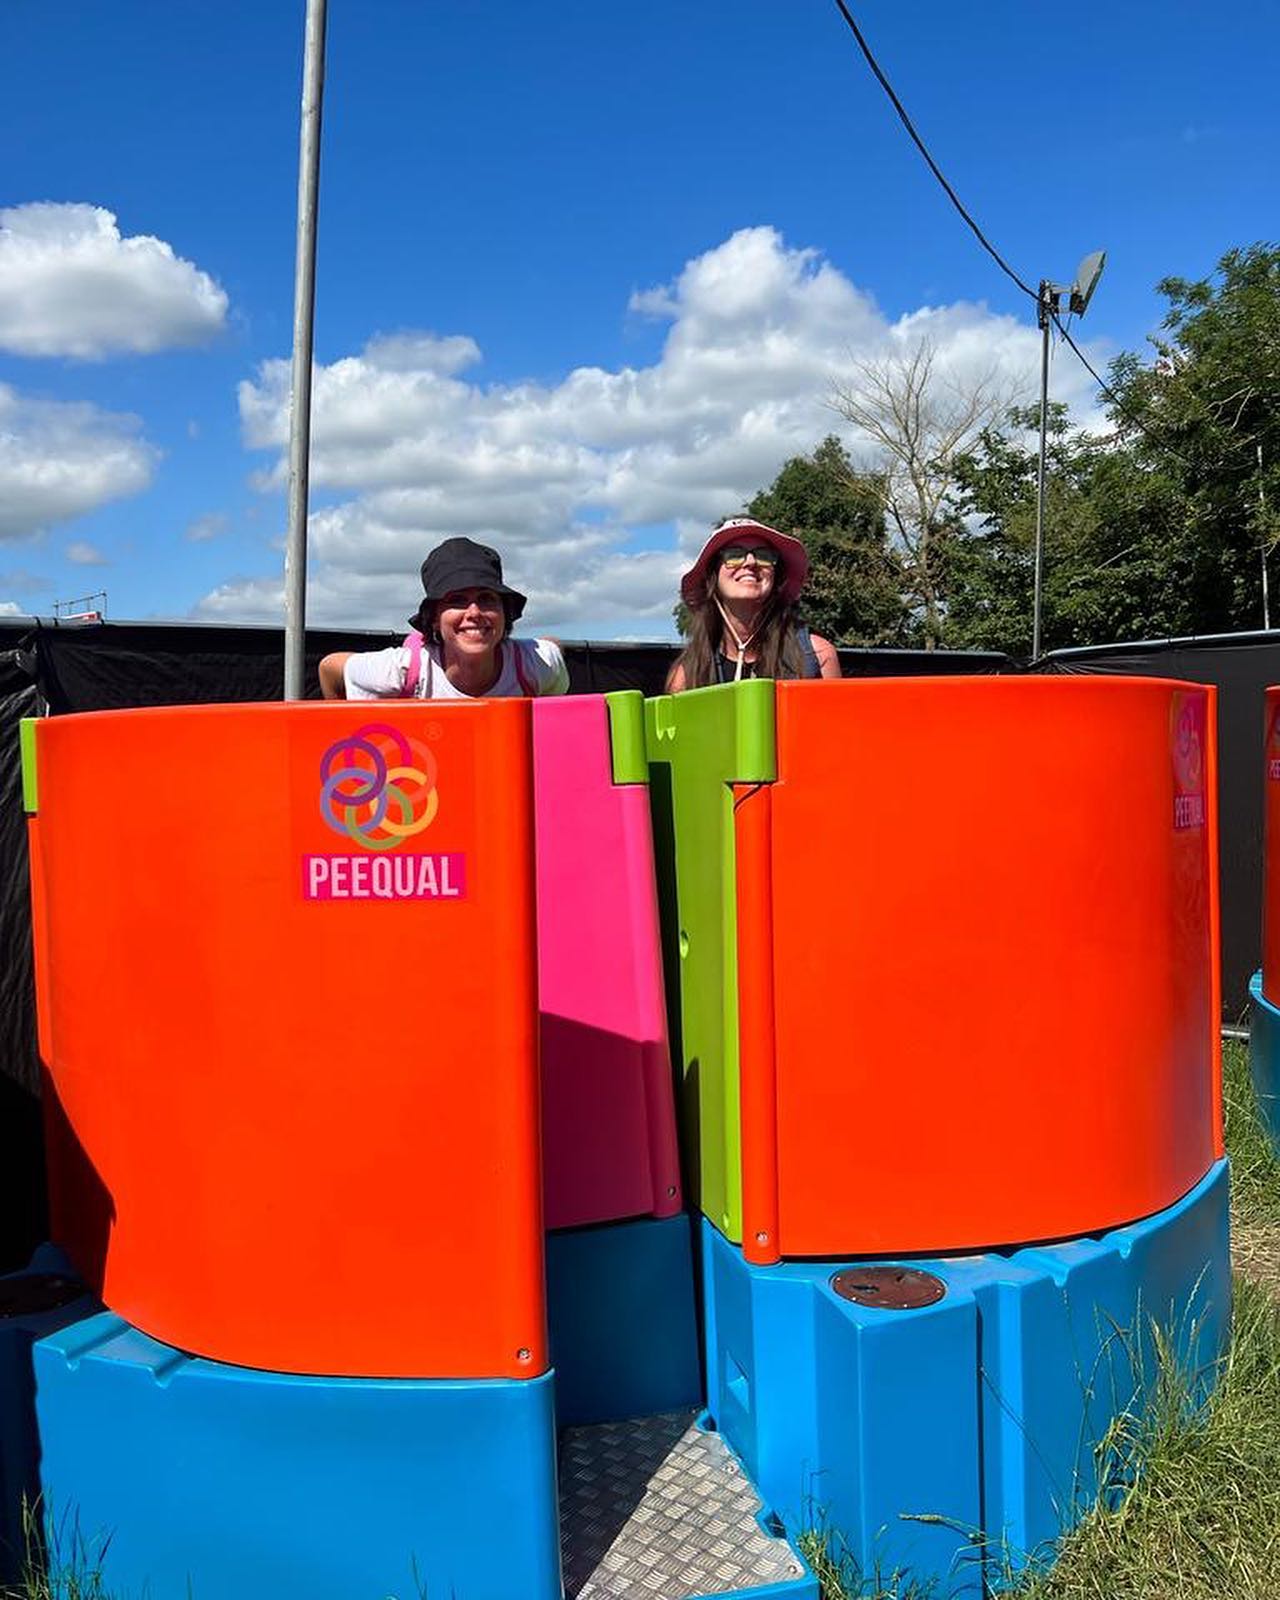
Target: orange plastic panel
x,y
991,931
295,1059
1271,854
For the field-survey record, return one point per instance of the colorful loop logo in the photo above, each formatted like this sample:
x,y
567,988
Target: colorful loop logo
x,y
378,786
1188,748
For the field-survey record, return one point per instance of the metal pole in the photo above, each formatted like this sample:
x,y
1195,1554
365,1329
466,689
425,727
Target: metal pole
x,y
1045,301
304,296
1262,542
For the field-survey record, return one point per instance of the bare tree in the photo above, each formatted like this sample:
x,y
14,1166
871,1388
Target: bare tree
x,y
918,422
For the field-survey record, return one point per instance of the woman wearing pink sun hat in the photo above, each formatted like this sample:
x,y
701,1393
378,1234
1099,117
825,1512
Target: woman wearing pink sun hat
x,y
743,618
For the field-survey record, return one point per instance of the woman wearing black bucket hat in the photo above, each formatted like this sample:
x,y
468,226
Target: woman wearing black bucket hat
x,y
743,621
460,647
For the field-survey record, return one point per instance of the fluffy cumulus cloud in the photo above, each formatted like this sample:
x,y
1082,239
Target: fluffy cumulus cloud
x,y
597,487
60,460
72,285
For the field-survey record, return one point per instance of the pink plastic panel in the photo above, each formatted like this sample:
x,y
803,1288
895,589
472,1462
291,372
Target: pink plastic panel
x,y
609,1136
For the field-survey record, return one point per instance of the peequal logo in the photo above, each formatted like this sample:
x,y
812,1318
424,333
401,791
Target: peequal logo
x,y
371,774
378,788
1273,748
1188,761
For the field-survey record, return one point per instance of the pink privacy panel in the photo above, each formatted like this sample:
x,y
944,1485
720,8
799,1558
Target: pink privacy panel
x,y
609,1135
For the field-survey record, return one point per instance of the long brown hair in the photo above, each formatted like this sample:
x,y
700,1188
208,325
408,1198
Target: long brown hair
x,y
778,653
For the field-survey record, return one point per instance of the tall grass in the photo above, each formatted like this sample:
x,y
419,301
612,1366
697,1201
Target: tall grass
x,y
60,1563
1201,1520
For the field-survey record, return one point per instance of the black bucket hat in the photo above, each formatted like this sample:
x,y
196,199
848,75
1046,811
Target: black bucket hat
x,y
462,564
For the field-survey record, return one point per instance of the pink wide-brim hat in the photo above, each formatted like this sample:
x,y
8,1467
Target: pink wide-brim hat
x,y
794,560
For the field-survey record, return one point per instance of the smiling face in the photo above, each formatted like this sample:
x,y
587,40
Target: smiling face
x,y
471,622
746,570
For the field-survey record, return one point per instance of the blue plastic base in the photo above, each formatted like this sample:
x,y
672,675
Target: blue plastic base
x,y
958,1440
182,1477
19,1449
1264,1057
624,1331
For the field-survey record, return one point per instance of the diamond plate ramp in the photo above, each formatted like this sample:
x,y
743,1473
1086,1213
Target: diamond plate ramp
x,y
656,1509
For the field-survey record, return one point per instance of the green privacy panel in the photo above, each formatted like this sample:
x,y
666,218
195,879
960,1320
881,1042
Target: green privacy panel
x,y
27,746
626,736
699,744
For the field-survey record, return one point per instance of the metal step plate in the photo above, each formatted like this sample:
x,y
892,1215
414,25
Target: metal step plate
x,y
656,1509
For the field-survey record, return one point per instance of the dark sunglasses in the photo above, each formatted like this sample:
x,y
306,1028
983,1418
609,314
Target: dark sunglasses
x,y
734,556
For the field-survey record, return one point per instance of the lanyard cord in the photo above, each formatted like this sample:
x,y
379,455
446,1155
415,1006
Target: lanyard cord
x,y
737,638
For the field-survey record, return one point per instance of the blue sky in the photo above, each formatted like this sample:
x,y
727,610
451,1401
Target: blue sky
x,y
586,271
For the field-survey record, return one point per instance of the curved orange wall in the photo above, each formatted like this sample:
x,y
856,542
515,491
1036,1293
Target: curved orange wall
x,y
308,1127
1271,853
977,962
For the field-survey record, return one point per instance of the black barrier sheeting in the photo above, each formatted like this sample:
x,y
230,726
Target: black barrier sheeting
x,y
22,1210
113,665
102,667
1242,666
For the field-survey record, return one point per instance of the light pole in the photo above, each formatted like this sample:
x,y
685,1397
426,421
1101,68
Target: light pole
x,y
304,297
1048,304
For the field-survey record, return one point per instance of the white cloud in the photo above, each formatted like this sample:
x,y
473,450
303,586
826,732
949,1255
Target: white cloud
x,y
71,285
206,527
59,460
11,608
574,481
85,554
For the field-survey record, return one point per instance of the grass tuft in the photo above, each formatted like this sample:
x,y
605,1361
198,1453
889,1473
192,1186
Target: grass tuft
x,y
1200,1518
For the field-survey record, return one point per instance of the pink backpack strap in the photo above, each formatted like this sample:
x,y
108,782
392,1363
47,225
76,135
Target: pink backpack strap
x,y
528,687
413,673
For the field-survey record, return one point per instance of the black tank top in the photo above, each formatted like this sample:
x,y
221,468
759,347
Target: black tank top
x,y
809,664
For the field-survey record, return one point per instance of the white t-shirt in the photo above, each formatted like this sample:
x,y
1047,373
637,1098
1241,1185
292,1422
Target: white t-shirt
x,y
381,674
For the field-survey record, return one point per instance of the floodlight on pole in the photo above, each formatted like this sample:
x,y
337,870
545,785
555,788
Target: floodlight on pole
x,y
1048,304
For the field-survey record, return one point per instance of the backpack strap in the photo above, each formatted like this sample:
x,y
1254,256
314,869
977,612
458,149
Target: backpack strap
x,y
528,688
413,673
809,656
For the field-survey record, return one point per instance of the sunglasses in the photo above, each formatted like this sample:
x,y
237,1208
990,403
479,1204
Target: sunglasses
x,y
734,556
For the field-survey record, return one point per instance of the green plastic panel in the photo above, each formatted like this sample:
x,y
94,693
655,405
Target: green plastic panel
x,y
700,744
626,736
27,744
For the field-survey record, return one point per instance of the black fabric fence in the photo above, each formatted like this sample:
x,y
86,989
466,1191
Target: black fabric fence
x,y
72,668
1242,666
22,1210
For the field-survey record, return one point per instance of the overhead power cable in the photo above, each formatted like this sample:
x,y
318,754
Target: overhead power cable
x,y
990,248
923,149
1109,392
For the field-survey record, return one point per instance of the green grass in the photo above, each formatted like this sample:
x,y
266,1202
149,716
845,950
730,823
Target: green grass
x,y
67,1570
1202,1519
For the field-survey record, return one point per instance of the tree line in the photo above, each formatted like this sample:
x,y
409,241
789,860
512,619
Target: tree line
x,y
1160,523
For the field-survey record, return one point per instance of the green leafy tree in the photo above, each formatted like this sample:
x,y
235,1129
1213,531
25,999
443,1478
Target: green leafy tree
x,y
1164,526
1116,571
1206,413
